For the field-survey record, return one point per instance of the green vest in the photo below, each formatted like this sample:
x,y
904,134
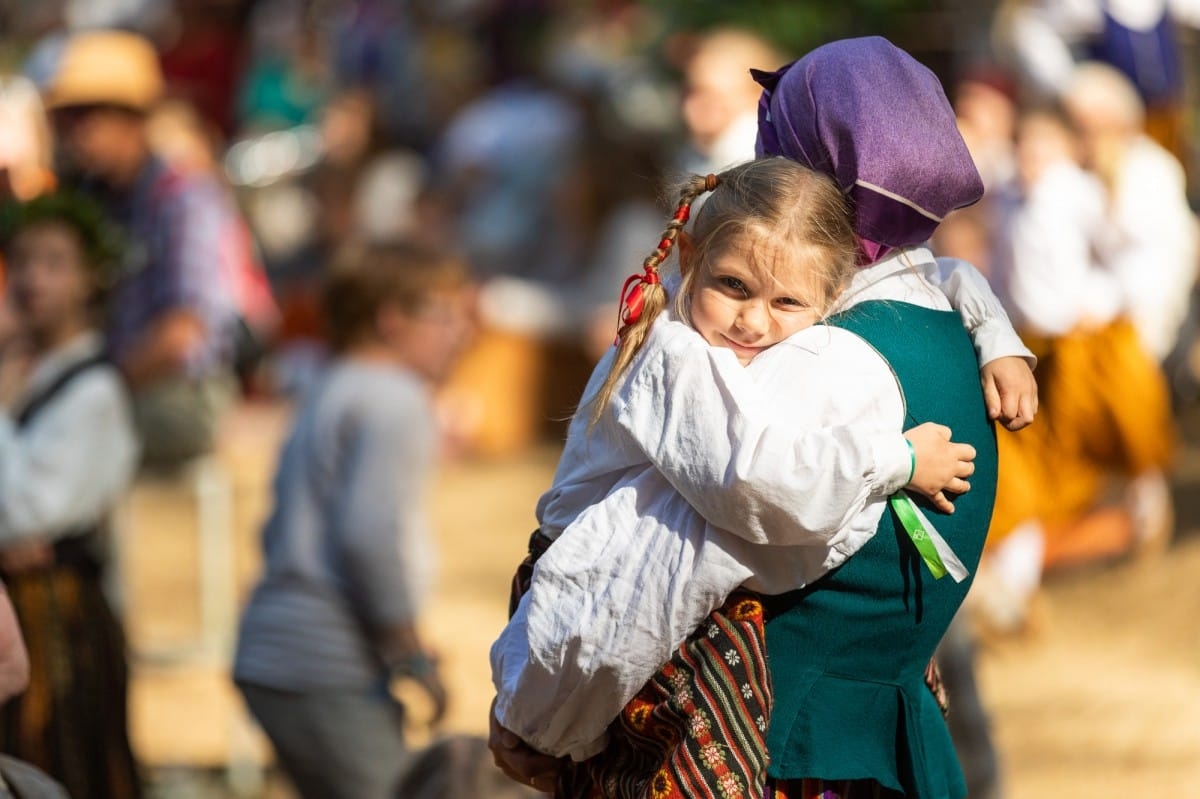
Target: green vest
x,y
848,653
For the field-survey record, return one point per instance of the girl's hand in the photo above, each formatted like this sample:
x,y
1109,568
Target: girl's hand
x,y
941,466
1009,391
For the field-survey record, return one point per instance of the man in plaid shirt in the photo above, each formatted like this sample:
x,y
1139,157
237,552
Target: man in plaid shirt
x,y
174,310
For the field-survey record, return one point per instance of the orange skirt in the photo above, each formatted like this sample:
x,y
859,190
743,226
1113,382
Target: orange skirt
x,y
1104,412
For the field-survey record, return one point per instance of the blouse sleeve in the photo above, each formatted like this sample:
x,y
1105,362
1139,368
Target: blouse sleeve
x,y
609,602
635,573
982,313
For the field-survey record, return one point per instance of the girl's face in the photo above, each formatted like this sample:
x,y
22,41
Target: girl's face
x,y
48,278
746,309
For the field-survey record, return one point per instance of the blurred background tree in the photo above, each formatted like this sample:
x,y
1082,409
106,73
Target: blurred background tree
x,y
944,34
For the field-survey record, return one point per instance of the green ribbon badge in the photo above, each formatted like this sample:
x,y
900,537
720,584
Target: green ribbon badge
x,y
933,549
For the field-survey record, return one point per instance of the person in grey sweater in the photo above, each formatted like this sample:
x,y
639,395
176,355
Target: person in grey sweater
x,y
347,550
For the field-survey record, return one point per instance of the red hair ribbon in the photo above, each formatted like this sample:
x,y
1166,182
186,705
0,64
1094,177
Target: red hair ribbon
x,y
632,296
633,299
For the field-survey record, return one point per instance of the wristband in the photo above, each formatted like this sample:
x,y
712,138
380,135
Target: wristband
x,y
912,458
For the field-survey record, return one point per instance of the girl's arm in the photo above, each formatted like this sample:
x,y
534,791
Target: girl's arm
x,y
742,458
1006,373
745,461
608,603
982,313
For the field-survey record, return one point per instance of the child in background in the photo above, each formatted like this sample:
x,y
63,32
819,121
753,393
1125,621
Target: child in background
x,y
65,411
347,549
1106,408
676,436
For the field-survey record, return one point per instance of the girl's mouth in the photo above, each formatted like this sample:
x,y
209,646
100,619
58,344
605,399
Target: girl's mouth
x,y
742,349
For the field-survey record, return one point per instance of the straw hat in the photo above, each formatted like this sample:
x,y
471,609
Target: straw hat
x,y
109,68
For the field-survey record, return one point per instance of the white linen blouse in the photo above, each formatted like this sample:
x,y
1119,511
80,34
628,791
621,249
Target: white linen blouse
x,y
687,489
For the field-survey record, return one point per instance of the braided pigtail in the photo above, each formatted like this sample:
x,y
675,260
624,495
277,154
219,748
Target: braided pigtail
x,y
643,296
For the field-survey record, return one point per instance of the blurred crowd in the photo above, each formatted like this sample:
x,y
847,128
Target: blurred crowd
x,y
195,194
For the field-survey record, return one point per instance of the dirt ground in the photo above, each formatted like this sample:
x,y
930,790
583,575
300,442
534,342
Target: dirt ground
x,y
1101,700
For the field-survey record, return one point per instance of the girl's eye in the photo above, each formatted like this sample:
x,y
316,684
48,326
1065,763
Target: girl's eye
x,y
792,302
732,283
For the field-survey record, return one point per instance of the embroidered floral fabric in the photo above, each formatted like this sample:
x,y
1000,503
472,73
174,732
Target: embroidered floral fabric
x,y
698,728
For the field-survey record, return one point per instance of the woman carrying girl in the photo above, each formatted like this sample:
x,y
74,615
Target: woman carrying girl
x,y
845,380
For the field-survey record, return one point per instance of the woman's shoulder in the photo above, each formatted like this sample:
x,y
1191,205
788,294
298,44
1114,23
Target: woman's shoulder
x,y
819,357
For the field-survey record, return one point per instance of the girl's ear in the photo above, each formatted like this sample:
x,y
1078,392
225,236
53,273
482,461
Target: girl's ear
x,y
687,252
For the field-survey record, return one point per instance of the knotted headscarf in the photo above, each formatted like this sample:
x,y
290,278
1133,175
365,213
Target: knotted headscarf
x,y
870,115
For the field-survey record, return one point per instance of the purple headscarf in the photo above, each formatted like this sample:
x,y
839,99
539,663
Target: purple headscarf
x,y
868,114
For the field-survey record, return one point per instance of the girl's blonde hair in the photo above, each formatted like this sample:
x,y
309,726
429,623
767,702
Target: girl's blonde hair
x,y
779,213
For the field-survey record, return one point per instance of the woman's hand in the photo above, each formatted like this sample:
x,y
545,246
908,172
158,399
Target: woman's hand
x,y
1010,391
941,465
520,761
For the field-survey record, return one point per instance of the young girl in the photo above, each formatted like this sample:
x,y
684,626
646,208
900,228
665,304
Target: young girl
x,y
347,548
665,365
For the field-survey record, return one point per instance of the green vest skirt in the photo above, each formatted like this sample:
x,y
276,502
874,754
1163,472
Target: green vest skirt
x,y
848,653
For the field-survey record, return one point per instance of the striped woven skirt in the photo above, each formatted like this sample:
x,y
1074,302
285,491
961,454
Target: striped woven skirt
x,y
698,728
71,720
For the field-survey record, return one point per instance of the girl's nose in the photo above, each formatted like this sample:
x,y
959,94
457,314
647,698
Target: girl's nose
x,y
752,318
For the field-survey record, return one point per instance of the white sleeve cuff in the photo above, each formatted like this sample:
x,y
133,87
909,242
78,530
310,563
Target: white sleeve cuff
x,y
996,338
893,464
